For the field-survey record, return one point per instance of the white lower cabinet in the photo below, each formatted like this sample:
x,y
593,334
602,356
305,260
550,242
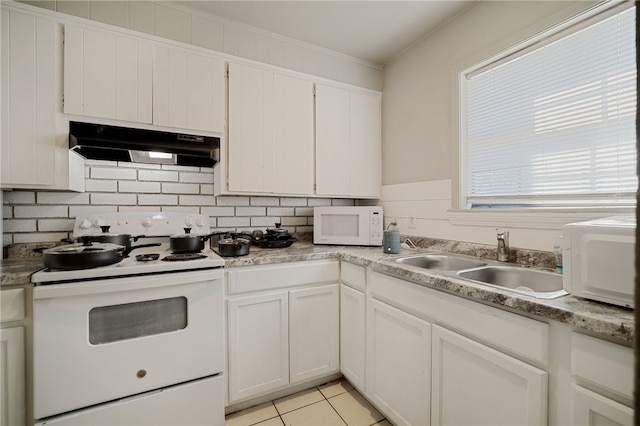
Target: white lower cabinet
x,y
12,379
286,334
398,363
352,336
258,344
592,409
475,384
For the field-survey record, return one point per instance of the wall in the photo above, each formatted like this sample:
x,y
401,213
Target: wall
x,y
179,23
419,119
38,216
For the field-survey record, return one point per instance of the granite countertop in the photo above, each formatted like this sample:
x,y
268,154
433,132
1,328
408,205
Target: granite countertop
x,y
600,318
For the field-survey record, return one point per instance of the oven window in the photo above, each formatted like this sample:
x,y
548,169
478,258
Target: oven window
x,y
109,324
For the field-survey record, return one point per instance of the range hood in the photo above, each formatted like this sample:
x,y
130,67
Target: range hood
x,y
102,142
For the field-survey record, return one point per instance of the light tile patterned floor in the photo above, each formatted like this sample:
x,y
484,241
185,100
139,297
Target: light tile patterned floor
x,y
335,403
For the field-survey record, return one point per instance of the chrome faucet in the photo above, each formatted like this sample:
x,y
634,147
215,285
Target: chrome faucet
x,y
503,245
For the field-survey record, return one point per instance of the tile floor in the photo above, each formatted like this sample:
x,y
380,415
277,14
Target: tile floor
x,y
335,403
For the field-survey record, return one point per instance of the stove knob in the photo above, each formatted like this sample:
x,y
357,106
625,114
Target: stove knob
x,y
147,222
85,224
199,222
188,222
100,222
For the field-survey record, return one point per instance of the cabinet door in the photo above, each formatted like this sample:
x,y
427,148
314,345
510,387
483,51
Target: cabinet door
x,y
250,129
592,409
258,344
107,75
292,157
348,142
333,154
30,98
352,335
188,90
398,364
314,330
12,379
493,388
365,144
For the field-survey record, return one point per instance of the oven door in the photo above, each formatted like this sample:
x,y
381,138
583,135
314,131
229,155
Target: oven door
x,y
97,341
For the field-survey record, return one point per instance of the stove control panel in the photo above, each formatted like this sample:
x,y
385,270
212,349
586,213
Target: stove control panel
x,y
148,224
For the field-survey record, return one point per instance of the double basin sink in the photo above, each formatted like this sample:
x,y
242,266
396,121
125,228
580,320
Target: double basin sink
x,y
519,279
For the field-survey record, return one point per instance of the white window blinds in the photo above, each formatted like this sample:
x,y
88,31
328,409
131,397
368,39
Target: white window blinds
x,y
556,126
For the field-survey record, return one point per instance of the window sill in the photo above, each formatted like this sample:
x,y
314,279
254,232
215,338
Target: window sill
x,y
531,218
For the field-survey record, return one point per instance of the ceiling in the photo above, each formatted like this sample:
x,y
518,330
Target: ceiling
x,y
374,31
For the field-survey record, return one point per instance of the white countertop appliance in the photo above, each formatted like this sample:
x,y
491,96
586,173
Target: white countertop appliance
x,y
138,342
598,258
348,225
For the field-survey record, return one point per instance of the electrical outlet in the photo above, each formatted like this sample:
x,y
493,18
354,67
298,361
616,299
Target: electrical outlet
x,y
412,222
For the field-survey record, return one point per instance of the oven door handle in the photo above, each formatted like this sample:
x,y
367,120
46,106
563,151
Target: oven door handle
x,y
116,285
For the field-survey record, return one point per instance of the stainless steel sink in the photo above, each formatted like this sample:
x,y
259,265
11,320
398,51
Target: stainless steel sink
x,y
440,262
532,282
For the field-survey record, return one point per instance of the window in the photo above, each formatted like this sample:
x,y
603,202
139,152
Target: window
x,y
554,123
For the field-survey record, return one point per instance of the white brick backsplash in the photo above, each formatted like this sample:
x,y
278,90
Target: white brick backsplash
x,y
158,175
157,200
180,188
138,187
294,221
250,211
39,216
280,211
293,202
62,198
75,211
36,211
126,164
191,210
19,197
113,173
232,222
19,225
303,211
97,185
217,211
196,178
53,225
181,168
39,237
313,202
113,199
232,201
265,201
268,221
206,189
7,239
197,200
342,202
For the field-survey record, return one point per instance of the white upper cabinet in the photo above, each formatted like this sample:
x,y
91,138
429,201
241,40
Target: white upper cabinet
x,y
188,90
270,132
348,142
107,75
34,147
120,77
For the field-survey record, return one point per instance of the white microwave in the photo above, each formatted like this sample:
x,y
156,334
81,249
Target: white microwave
x,y
348,225
598,257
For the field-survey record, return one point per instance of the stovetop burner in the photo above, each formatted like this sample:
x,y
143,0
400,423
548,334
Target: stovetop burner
x,y
183,256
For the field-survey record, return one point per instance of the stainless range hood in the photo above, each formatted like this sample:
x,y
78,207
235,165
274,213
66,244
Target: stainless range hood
x,y
102,142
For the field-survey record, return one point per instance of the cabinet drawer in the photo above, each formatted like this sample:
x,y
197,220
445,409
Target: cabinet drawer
x,y
12,305
353,276
603,366
523,337
268,277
